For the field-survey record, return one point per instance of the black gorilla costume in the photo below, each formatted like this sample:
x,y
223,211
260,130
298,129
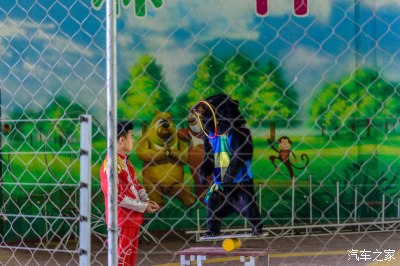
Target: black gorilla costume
x,y
228,150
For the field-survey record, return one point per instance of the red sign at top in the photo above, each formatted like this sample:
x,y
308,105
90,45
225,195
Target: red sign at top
x,y
300,7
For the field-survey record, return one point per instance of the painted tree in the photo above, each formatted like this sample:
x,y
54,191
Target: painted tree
x,y
145,92
387,96
236,76
357,99
59,109
208,81
272,100
263,94
62,107
241,77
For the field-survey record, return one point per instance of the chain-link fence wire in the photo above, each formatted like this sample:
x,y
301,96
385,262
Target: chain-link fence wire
x,y
40,188
327,80
52,72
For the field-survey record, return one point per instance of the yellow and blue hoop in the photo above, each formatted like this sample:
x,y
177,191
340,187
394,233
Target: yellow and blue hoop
x,y
214,118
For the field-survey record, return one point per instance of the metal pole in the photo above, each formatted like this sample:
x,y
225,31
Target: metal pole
x,y
398,207
337,203
355,203
311,203
46,223
383,208
357,33
259,198
293,195
1,173
198,219
111,84
85,195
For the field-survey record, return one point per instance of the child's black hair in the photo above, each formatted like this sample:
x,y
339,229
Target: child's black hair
x,y
123,127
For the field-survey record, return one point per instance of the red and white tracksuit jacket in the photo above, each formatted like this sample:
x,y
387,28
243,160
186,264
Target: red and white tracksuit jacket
x,y
132,202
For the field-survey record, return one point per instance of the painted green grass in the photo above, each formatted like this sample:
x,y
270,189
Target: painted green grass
x,y
370,164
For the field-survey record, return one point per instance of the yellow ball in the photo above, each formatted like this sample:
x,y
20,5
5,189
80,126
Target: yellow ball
x,y
231,244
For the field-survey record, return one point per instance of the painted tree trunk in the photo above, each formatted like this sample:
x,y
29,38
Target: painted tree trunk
x,y
368,127
272,130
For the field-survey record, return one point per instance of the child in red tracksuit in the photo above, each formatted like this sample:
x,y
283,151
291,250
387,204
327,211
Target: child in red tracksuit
x,y
132,197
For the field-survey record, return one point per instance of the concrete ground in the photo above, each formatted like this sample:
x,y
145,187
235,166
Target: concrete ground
x,y
373,249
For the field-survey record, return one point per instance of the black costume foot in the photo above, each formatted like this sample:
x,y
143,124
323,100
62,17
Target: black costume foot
x,y
211,234
257,232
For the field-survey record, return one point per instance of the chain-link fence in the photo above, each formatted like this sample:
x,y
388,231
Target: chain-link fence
x,y
317,76
44,190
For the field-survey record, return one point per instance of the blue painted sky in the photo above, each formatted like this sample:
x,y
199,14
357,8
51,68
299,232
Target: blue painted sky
x,y
58,47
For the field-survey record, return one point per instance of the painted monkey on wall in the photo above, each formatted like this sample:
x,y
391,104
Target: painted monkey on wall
x,y
285,145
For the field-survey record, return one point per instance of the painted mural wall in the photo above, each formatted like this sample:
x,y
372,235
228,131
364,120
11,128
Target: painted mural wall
x,y
322,73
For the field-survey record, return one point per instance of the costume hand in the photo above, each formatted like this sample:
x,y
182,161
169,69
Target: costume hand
x,y
154,203
151,207
203,180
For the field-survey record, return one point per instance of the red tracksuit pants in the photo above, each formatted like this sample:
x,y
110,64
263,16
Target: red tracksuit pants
x,y
128,240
